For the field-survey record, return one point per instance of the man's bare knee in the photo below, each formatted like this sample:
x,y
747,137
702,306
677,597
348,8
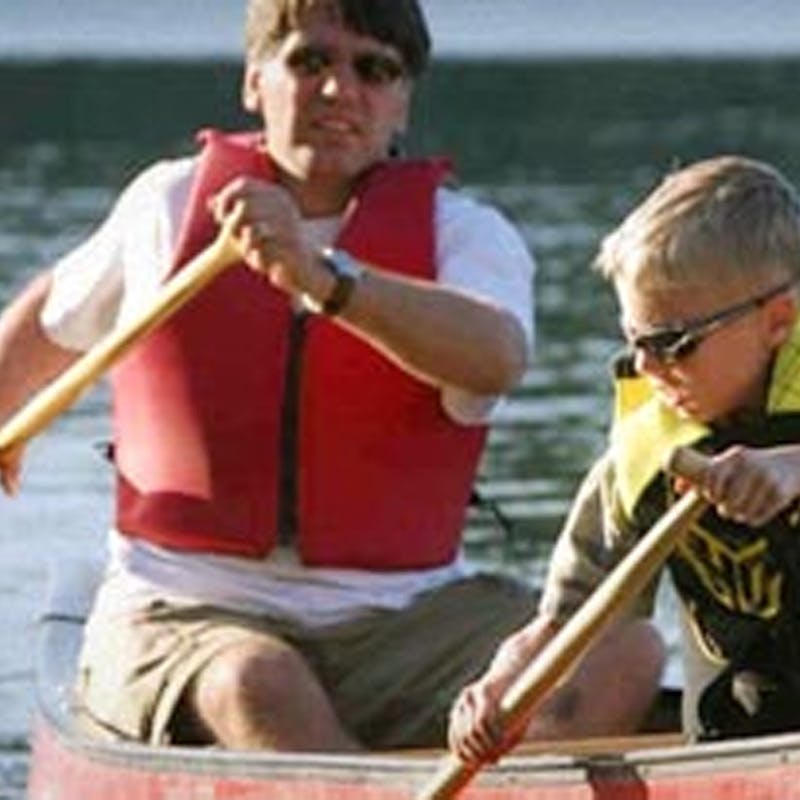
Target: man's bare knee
x,y
264,696
243,685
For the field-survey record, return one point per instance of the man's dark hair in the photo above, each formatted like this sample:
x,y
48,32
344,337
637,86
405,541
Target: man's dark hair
x,y
399,23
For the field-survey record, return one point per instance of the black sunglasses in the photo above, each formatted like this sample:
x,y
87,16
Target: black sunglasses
x,y
372,68
674,342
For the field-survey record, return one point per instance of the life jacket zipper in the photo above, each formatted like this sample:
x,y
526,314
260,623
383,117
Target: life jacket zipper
x,y
290,427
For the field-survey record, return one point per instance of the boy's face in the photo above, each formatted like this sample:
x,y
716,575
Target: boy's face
x,y
725,368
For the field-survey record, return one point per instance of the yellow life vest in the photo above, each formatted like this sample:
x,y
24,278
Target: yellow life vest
x,y
645,430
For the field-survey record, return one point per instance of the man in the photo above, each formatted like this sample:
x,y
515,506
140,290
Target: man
x,y
295,448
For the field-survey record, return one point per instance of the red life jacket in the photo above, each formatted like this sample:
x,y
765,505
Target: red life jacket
x,y
376,474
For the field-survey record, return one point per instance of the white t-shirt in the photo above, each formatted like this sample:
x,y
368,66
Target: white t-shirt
x,y
117,272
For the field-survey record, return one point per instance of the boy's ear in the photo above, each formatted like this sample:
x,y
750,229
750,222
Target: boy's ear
x,y
781,317
251,96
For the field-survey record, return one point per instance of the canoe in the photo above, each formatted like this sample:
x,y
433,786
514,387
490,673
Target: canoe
x,y
67,765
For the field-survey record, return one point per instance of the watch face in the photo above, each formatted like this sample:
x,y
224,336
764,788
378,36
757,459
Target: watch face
x,y
340,262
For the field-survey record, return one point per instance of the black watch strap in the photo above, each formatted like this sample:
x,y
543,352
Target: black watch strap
x,y
347,272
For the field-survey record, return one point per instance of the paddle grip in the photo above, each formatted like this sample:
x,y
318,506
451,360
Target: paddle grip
x,y
688,463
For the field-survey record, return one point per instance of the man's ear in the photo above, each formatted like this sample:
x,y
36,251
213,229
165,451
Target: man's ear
x,y
251,96
403,115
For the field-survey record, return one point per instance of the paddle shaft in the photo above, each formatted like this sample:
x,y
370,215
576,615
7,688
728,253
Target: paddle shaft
x,y
62,392
627,579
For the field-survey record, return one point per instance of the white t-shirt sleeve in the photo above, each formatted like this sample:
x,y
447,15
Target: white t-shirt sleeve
x,y
481,253
120,267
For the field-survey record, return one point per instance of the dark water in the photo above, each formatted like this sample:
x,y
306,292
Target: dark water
x,y
564,147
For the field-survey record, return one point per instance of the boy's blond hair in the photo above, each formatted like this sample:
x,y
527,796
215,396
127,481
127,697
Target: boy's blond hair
x,y
399,23
727,218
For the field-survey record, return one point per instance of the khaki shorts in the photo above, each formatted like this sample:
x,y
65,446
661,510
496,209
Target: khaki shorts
x,y
391,677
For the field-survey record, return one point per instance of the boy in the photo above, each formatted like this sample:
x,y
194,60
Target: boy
x,y
705,271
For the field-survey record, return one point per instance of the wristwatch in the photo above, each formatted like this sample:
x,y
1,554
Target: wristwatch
x,y
347,272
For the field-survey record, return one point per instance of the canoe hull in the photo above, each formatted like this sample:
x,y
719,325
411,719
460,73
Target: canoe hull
x,y
65,768
67,765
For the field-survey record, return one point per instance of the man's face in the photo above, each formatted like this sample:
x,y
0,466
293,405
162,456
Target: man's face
x,y
331,101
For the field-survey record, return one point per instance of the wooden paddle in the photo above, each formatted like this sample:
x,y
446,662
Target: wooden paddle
x,y
62,392
627,579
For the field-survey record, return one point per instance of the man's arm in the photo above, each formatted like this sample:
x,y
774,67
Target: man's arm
x,y
443,335
28,361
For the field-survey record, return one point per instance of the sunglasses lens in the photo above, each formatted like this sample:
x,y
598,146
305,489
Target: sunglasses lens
x,y
377,69
668,345
685,347
372,69
308,61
